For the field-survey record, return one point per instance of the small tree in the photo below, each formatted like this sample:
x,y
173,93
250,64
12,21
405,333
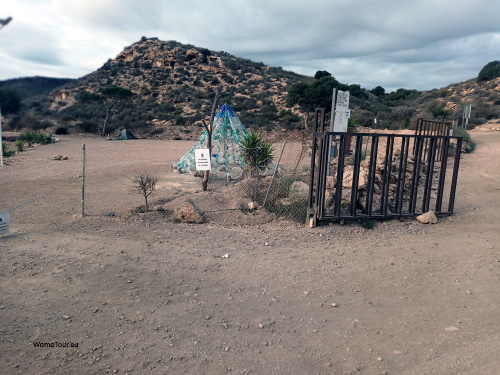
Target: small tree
x,y
257,153
110,98
145,184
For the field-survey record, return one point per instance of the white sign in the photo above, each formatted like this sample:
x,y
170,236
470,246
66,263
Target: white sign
x,y
342,112
341,122
342,99
4,222
202,158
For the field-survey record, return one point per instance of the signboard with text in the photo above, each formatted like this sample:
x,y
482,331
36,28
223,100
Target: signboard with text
x,y
342,112
202,159
4,222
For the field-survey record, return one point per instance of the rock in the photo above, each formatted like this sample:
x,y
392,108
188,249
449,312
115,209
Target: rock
x,y
299,190
284,201
252,205
428,218
189,213
331,181
349,176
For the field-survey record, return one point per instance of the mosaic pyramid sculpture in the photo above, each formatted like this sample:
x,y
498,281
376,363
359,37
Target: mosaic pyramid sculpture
x,y
228,132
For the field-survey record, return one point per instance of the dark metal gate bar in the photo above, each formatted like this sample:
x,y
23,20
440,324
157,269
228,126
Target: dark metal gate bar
x,y
383,177
428,127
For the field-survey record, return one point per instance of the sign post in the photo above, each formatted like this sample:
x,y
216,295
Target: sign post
x,y
466,116
340,116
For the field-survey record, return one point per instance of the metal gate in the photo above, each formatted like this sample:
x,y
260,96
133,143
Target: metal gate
x,y
382,176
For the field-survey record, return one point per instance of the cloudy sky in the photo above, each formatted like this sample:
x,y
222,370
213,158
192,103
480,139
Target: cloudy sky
x,y
417,44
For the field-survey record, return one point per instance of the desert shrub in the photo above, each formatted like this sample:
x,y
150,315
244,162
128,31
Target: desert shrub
x,y
469,144
470,147
88,127
61,130
295,210
31,137
6,150
289,119
367,224
19,145
256,153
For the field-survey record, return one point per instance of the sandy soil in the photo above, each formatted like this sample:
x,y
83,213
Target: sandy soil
x,y
138,293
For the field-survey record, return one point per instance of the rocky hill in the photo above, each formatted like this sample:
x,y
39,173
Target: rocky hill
x,y
173,87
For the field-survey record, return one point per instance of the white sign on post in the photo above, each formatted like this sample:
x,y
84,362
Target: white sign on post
x,y
4,222
342,112
202,159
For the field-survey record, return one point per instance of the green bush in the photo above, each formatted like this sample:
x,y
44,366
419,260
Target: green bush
x,y
469,144
19,145
7,151
490,71
31,137
61,130
257,153
470,147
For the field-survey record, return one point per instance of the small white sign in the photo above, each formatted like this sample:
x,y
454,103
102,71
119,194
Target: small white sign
x,y
4,222
341,120
342,99
342,112
202,158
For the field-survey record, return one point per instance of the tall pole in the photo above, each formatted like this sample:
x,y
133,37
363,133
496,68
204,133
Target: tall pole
x,y
3,23
83,180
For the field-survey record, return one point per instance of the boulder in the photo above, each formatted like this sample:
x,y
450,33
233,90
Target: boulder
x,y
349,175
189,213
299,190
428,218
331,181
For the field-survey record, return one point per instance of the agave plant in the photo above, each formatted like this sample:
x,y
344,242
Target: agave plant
x,y
257,153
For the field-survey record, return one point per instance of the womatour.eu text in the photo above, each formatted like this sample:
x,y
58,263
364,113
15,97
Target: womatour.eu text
x,y
55,344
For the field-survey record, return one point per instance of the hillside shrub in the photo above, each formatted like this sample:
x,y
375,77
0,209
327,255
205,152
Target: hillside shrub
x,y
32,137
19,143
6,150
490,71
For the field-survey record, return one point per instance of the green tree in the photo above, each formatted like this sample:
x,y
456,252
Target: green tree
x,y
10,101
378,91
322,73
110,98
358,92
490,71
316,94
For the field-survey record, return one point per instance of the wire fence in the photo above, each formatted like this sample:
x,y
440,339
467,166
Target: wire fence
x,y
95,177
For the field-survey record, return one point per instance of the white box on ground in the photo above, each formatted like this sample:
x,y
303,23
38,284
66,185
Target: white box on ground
x,y
202,159
4,222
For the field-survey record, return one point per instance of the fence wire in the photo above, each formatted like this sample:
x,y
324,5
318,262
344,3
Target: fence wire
x,y
109,168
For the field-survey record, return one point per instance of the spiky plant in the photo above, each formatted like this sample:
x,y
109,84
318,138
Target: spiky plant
x,y
257,153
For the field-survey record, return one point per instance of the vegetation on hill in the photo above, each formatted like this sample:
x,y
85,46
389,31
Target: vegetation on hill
x,y
489,71
170,88
31,86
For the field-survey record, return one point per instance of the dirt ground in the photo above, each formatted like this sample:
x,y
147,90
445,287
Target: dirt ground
x,y
116,292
